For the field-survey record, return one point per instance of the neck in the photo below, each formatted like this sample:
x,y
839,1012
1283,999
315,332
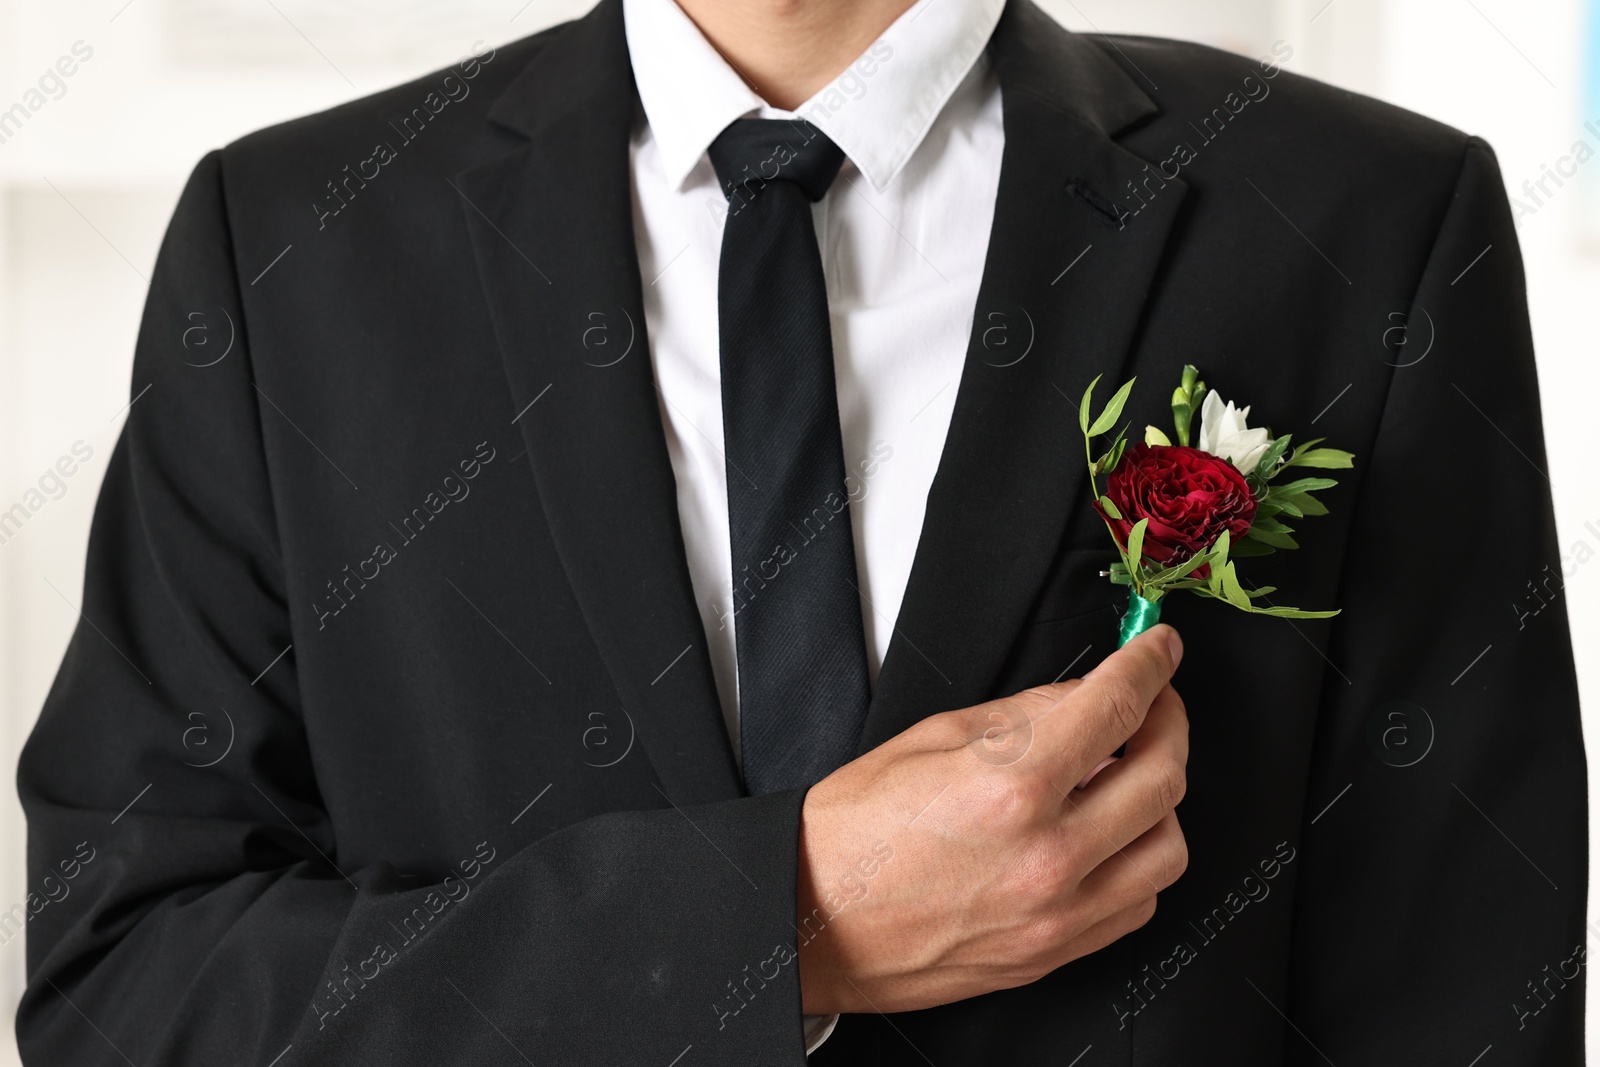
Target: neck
x,y
787,50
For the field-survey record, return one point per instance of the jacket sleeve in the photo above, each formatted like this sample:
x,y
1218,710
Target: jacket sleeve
x,y
188,914
1441,903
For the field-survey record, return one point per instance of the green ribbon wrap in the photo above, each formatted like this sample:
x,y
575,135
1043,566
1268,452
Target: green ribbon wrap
x,y
1141,615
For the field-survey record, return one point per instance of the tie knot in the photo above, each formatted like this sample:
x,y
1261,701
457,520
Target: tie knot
x,y
751,153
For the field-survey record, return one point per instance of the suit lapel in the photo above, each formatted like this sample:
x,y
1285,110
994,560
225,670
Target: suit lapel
x,y
1063,288
1060,301
552,228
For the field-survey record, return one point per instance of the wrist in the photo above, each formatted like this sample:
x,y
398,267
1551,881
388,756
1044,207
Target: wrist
x,y
818,971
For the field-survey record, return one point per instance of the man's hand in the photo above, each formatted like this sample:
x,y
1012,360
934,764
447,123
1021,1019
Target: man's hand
x,y
958,858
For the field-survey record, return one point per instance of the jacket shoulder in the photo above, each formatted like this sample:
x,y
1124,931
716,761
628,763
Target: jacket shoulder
x,y
1304,119
459,96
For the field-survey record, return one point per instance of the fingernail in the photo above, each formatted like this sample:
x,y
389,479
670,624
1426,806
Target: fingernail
x,y
1175,647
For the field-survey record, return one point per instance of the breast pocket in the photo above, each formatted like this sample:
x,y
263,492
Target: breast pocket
x,y
1072,625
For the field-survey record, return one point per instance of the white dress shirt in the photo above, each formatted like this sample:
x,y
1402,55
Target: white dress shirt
x,y
903,233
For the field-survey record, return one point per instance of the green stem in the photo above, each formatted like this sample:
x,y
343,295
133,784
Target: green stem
x,y
1141,615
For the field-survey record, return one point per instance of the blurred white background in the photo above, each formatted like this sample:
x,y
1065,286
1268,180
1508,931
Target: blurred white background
x,y
89,175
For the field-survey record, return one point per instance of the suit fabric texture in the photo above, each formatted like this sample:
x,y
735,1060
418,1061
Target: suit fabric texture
x,y
391,729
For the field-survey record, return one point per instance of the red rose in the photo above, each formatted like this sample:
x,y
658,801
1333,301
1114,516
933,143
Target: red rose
x,y
1188,496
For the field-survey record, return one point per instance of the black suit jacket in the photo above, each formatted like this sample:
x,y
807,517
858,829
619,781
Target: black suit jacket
x,y
390,733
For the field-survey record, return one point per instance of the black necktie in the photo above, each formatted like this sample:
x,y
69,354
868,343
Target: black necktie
x,y
803,686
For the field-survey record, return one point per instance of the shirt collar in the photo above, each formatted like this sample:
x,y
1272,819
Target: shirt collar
x,y
877,111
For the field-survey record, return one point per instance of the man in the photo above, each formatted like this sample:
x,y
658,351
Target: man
x,y
611,603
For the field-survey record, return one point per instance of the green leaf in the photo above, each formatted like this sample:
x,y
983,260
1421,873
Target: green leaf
x,y
1260,591
1275,538
1111,456
1270,525
1219,563
1117,448
1269,458
1297,504
1136,544
1310,504
1247,548
1113,410
1165,576
1220,547
1276,612
1188,585
1153,436
1231,588
1109,508
1294,613
1083,406
1303,485
1324,458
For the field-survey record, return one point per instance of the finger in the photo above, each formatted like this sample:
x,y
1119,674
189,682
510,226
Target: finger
x,y
1103,764
1171,728
1086,725
1001,731
1111,928
1148,865
1135,792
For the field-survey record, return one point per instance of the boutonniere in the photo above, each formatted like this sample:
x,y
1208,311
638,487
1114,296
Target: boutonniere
x,y
1180,515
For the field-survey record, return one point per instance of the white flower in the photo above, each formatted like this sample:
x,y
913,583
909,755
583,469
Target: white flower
x,y
1223,433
